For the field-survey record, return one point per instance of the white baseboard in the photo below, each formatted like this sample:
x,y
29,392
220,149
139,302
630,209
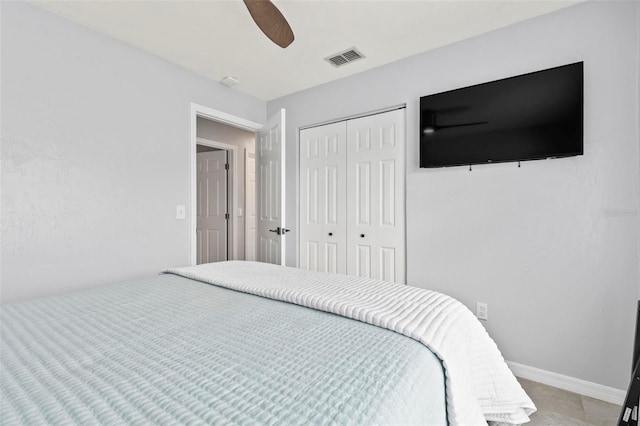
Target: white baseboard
x,y
571,384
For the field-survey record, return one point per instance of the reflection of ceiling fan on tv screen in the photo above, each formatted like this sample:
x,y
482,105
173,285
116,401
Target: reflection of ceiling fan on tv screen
x,y
430,126
271,21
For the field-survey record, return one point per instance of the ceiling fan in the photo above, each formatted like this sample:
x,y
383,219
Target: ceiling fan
x,y
430,126
271,21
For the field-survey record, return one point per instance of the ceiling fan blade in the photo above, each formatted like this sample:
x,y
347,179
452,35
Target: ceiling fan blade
x,y
271,21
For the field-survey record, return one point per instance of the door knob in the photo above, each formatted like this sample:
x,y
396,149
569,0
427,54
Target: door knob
x,y
361,235
280,231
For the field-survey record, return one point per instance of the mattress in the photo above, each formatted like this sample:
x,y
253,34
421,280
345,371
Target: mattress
x,y
480,388
171,350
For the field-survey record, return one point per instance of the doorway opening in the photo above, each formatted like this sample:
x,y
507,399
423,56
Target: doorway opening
x,y
223,191
256,226
214,187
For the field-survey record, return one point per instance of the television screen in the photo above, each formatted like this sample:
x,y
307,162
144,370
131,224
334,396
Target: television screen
x,y
527,117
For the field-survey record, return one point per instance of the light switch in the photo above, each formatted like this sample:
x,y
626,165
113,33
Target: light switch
x,y
239,212
181,212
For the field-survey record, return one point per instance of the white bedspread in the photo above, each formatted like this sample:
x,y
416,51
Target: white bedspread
x,y
479,385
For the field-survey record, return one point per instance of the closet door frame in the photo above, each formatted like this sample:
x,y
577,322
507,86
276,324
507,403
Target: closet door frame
x,y
402,158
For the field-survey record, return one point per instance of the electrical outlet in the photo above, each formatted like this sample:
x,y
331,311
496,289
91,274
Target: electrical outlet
x,y
482,311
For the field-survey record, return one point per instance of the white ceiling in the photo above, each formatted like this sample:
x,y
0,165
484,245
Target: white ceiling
x,y
217,38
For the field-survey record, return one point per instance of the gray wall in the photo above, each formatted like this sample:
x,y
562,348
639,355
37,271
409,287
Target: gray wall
x,y
552,247
95,155
242,139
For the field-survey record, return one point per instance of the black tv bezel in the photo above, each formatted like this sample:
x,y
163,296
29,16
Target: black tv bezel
x,y
562,155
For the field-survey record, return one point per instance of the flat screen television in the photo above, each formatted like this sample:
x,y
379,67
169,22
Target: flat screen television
x,y
528,117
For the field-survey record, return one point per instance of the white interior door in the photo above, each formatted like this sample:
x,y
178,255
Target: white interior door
x,y
323,198
211,218
250,216
270,181
375,196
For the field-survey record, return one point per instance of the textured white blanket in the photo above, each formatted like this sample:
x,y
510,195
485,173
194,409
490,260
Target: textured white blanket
x,y
479,385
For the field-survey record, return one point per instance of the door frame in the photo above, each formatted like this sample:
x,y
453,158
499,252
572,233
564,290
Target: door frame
x,y
247,152
196,111
232,201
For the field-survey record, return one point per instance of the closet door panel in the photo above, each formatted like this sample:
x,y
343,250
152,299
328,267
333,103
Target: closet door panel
x,y
375,196
362,264
323,198
312,255
331,257
312,188
363,193
387,263
332,197
387,193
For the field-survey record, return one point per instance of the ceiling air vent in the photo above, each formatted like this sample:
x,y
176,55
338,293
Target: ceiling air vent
x,y
345,57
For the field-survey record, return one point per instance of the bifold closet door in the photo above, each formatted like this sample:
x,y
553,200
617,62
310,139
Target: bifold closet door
x,y
375,196
323,200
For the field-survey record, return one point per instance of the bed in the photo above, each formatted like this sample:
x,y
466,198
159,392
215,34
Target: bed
x,y
249,343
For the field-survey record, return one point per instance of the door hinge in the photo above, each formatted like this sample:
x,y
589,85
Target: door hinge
x,y
226,216
226,166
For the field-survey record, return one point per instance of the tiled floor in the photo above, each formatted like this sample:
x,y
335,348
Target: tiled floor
x,y
562,408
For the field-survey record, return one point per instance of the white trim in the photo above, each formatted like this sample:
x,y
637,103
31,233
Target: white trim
x,y
233,155
355,116
297,195
223,117
247,241
283,184
215,115
571,384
